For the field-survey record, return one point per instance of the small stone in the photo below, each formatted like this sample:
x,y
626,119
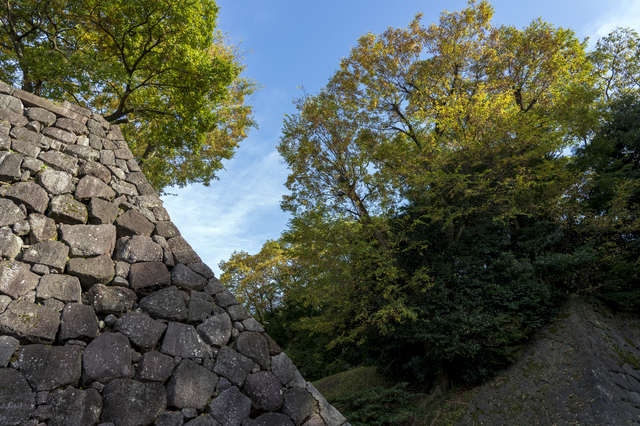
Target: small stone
x,y
71,126
238,312
254,345
250,324
166,229
10,244
42,115
42,228
265,391
21,228
299,404
74,407
59,135
10,166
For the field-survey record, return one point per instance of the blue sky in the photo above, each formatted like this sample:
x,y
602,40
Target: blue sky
x,y
293,44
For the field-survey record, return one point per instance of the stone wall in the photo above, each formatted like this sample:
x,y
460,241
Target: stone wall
x,y
582,369
107,315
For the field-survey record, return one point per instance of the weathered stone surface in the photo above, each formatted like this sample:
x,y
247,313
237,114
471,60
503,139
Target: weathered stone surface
x,y
16,279
10,213
95,270
299,404
107,357
265,391
133,223
8,346
56,182
10,165
25,148
89,240
216,330
190,386
14,118
232,365
238,312
84,152
225,298
155,367
42,228
74,407
66,209
214,286
30,194
4,302
169,418
102,212
283,368
183,340
50,367
142,331
32,164
31,100
202,269
250,324
97,170
30,323
182,251
254,345
60,161
10,244
123,188
65,288
230,408
78,322
167,304
16,399
166,229
276,419
182,276
72,126
315,420
11,103
204,420
50,253
138,249
42,115
128,402
328,412
111,300
59,135
145,277
90,187
200,307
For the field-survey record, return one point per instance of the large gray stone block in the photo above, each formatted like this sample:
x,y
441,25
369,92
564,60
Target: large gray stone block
x,y
90,187
155,367
265,391
53,254
183,277
42,228
30,323
182,251
56,182
10,163
65,288
232,365
132,223
49,367
142,331
30,194
299,404
42,115
59,135
16,399
167,304
10,244
111,300
74,407
215,330
10,213
283,368
276,419
16,279
169,418
60,161
8,346
107,357
78,322
166,229
91,271
230,408
190,386
183,340
255,346
66,209
138,249
89,240
102,212
128,402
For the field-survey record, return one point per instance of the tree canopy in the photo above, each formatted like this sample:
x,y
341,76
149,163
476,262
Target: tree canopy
x,y
160,68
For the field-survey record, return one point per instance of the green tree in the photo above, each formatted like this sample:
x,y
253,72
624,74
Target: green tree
x,y
160,68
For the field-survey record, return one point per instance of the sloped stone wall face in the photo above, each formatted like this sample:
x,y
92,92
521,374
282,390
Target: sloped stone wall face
x,y
581,369
107,315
